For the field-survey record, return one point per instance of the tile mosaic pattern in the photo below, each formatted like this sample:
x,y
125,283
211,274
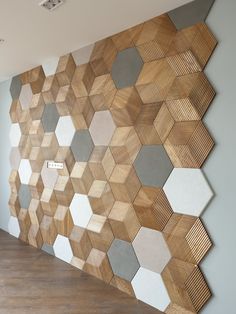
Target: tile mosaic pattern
x,y
124,115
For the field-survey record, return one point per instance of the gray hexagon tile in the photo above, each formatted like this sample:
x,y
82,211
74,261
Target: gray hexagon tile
x,y
190,13
151,249
126,67
48,249
102,128
15,87
25,96
50,118
153,165
82,145
123,260
24,196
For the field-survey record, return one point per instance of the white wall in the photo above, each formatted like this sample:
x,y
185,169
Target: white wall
x,y
5,123
220,216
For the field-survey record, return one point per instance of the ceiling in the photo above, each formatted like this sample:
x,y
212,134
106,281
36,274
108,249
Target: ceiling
x,y
33,35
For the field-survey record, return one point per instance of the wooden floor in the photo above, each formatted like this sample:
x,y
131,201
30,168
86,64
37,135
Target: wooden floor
x,y
32,281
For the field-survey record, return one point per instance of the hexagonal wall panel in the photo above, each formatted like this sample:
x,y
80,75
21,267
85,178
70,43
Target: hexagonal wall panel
x,y
102,127
188,191
25,96
123,260
50,118
15,134
153,165
25,171
62,248
24,196
15,87
81,211
13,227
151,250
15,158
126,67
65,131
82,145
149,288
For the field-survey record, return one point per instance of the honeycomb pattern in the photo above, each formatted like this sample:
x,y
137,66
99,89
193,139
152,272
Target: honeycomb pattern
x,y
124,116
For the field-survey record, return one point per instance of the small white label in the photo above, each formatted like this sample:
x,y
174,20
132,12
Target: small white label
x,y
55,165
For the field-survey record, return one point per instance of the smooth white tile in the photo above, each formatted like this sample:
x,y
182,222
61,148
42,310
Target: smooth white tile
x,y
80,209
151,249
188,191
15,134
82,55
13,227
149,288
63,249
50,66
49,176
25,171
65,131
25,96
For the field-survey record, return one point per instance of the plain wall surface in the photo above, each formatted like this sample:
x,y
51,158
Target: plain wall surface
x,y
5,147
220,216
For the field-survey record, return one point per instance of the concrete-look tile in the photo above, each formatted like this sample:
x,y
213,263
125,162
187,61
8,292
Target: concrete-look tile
x,y
190,13
102,128
80,209
188,191
150,288
15,87
82,55
82,145
24,196
15,158
50,66
13,227
153,165
25,96
25,171
50,118
49,176
126,67
48,249
151,249
65,131
63,249
15,134
123,260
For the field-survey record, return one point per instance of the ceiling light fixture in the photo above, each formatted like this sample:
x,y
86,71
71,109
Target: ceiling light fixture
x,y
2,40
51,5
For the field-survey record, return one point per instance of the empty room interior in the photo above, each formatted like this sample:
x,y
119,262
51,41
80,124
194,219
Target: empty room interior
x,y
117,184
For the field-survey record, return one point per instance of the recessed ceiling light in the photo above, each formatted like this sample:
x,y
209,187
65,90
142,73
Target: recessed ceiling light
x,y
2,40
51,5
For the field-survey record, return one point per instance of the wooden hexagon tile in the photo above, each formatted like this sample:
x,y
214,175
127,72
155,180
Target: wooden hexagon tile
x,y
124,116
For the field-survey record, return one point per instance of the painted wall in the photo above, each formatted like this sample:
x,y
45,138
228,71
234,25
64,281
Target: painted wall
x,y
220,216
5,123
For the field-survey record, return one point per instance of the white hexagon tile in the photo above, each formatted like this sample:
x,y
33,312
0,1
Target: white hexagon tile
x,y
150,288
188,191
151,249
13,226
25,96
15,135
65,131
25,171
62,248
102,127
80,209
50,66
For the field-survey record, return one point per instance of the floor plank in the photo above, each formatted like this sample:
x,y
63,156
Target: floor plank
x,y
33,282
